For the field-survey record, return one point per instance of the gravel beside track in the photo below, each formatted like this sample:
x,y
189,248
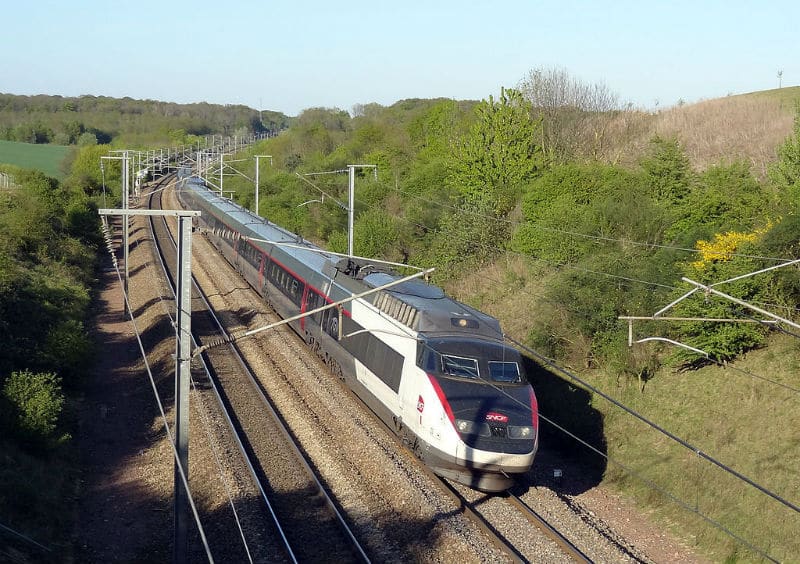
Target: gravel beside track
x,y
307,522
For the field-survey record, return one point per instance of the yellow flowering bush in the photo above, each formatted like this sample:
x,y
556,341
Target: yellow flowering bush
x,y
724,245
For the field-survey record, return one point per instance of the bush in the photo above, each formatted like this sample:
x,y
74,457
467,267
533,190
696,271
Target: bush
x,y
87,139
376,234
725,197
724,257
37,399
667,170
589,199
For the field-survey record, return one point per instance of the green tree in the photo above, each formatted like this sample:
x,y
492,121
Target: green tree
x,y
376,234
86,175
73,129
667,169
487,170
785,173
87,138
492,163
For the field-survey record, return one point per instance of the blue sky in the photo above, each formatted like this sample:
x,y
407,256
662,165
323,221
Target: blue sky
x,y
291,55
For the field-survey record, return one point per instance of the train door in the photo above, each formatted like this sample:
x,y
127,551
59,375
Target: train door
x,y
236,257
261,268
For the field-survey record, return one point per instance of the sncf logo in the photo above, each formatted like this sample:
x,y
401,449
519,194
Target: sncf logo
x,y
496,417
420,404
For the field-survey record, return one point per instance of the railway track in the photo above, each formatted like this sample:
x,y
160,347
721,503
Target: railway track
x,y
551,532
469,502
405,534
304,522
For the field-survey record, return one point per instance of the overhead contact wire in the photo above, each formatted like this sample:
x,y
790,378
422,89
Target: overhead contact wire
x,y
657,427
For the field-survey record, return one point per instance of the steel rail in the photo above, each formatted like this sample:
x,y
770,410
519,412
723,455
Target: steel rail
x,y
551,532
464,506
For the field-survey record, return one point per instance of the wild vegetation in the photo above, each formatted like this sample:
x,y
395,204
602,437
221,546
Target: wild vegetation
x,y
49,241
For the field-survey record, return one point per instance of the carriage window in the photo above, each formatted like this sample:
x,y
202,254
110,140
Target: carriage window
x,y
459,366
504,371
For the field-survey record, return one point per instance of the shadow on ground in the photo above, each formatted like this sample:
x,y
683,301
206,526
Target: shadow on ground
x,y
571,434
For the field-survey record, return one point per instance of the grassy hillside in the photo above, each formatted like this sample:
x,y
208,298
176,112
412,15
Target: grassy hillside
x,y
745,127
788,96
46,158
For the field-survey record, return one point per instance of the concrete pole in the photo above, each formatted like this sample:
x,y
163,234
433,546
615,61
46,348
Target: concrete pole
x,y
256,185
221,167
183,357
351,173
182,372
125,224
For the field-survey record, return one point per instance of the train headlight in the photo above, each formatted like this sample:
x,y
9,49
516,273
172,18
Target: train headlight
x,y
467,427
520,432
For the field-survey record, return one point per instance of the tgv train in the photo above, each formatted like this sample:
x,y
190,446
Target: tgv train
x,y
433,369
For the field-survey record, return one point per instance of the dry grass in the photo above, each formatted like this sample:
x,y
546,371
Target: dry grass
x,y
505,285
746,127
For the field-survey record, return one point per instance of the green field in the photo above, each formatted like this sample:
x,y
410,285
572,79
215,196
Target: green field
x,y
46,158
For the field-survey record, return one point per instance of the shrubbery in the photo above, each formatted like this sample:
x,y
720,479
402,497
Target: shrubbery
x,y
36,400
48,245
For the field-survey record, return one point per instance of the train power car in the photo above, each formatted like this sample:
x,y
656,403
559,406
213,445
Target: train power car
x,y
433,369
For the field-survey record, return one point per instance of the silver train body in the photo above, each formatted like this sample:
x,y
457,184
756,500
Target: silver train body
x,y
433,369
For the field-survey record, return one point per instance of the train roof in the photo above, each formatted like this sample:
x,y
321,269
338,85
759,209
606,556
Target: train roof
x,y
427,309
422,307
263,230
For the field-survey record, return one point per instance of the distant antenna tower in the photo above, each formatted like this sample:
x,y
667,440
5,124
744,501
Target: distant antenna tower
x,y
780,76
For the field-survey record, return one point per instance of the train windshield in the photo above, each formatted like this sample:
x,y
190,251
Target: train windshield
x,y
459,366
471,359
504,371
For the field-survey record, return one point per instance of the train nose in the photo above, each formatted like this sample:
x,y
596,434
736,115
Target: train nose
x,y
498,424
